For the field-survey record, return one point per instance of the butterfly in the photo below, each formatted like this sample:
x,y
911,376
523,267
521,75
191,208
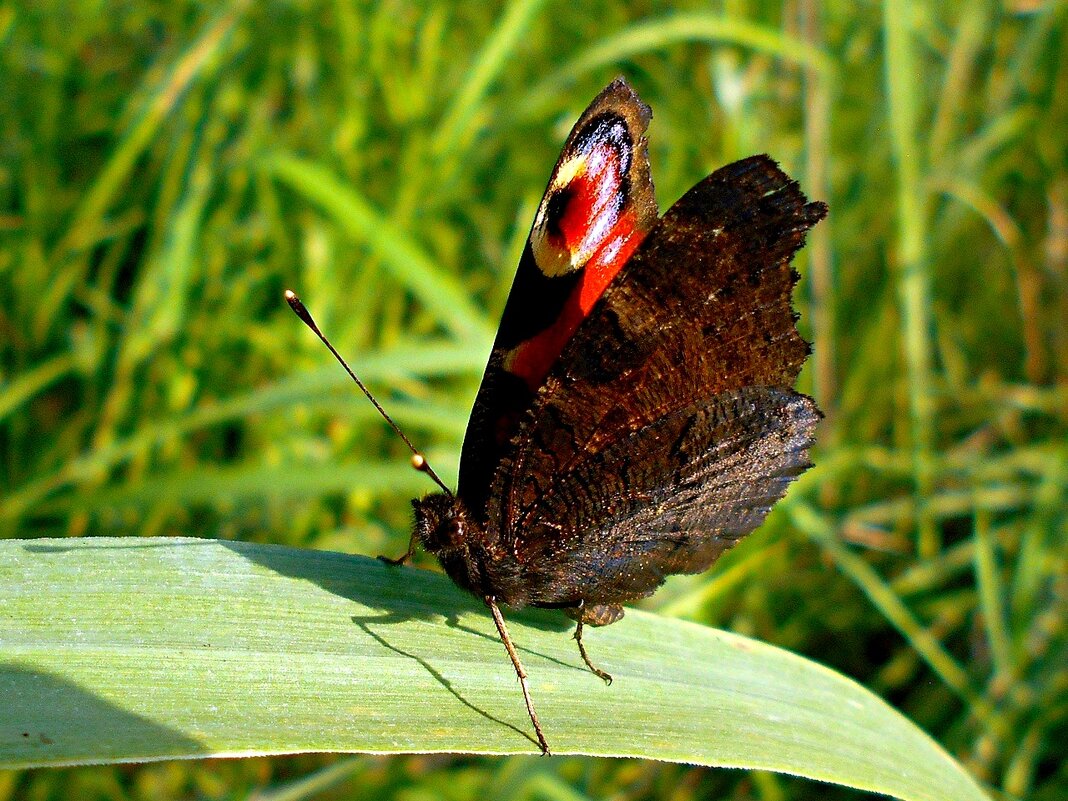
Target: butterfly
x,y
637,416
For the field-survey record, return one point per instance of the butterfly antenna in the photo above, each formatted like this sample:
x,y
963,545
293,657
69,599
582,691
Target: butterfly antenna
x,y
419,461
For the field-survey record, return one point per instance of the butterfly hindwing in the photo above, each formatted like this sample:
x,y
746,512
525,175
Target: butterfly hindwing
x,y
701,312
709,474
597,208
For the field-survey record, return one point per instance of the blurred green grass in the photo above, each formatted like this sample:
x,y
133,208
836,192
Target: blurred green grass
x,y
167,169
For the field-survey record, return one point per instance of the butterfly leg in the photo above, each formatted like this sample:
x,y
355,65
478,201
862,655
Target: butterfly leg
x,y
400,560
498,619
578,615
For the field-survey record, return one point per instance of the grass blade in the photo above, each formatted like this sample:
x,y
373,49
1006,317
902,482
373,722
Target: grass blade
x,y
141,649
433,358
493,58
440,292
658,34
913,279
108,184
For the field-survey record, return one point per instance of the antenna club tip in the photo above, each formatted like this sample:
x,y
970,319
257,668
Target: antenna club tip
x,y
298,307
293,301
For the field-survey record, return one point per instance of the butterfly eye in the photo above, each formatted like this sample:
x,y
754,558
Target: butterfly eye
x,y
456,532
447,535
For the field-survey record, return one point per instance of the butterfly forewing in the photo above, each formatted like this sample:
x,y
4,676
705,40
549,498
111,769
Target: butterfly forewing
x,y
597,208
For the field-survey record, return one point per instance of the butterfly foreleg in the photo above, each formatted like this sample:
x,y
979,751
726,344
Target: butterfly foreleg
x,y
400,560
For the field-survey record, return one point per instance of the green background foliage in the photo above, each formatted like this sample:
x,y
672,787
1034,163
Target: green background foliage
x,y
167,169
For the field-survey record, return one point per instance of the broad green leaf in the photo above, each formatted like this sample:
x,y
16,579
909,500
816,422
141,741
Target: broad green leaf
x,y
139,649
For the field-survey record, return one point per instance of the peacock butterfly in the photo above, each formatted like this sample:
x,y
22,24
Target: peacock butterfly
x,y
637,416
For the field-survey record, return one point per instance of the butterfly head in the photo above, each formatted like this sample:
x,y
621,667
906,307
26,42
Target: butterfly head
x,y
443,524
446,529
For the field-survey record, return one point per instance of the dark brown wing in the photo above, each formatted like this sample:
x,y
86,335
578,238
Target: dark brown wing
x,y
598,206
669,498
702,310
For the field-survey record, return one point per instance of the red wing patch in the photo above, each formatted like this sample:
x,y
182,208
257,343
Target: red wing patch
x,y
532,359
585,225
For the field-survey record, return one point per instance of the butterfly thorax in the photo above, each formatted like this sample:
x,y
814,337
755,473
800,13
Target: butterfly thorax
x,y
467,552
